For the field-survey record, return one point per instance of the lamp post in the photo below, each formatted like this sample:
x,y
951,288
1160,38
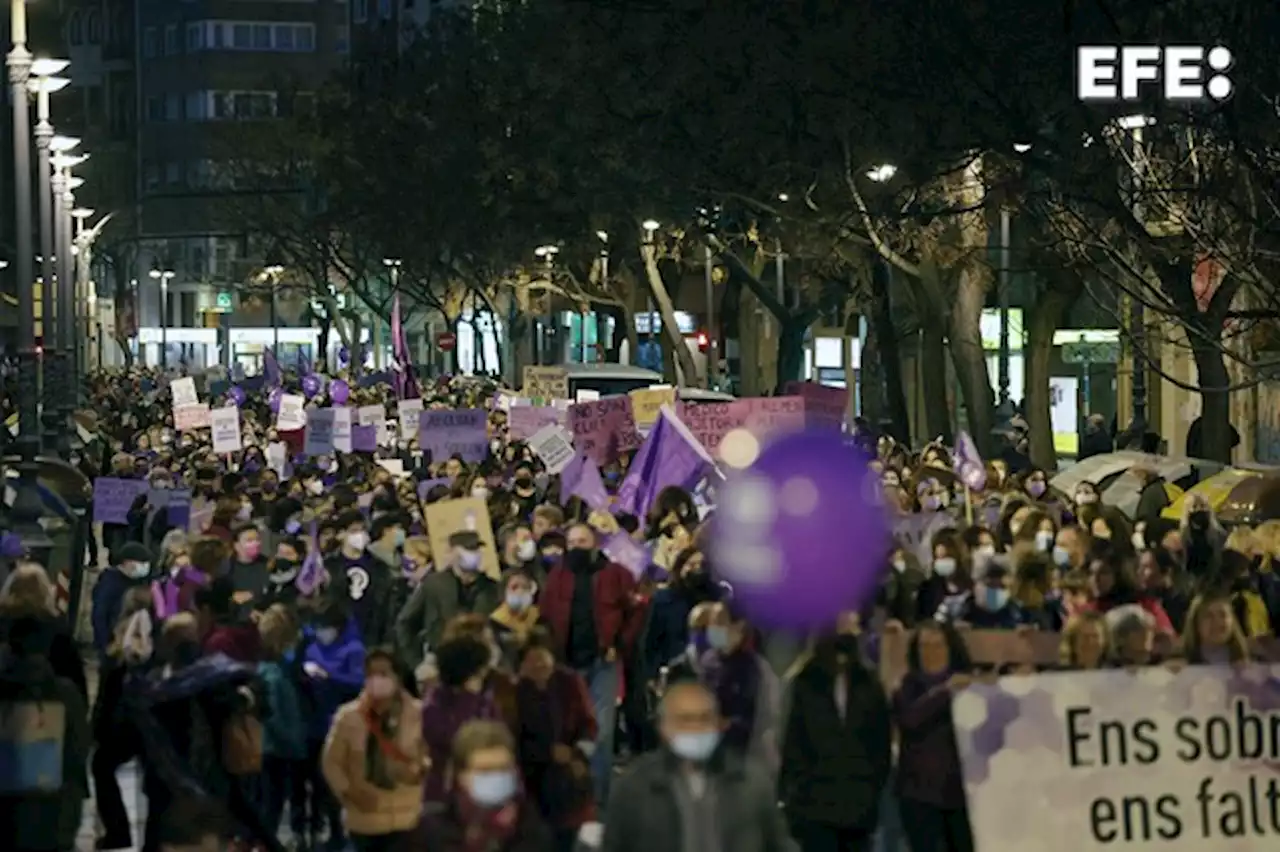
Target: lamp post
x,y
27,505
1004,405
603,236
1134,125
85,300
273,271
42,84
547,254
393,265
59,325
67,286
164,276
651,227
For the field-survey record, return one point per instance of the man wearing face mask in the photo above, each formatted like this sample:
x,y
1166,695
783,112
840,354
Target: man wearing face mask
x,y
989,606
520,552
359,581
588,606
248,566
131,569
460,589
387,547
722,800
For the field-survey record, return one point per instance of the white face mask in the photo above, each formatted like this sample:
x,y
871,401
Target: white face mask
x,y
480,492
527,550
315,488
1139,543
357,541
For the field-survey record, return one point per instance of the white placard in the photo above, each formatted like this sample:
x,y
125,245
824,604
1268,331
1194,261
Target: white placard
x,y
225,423
371,415
277,457
318,440
341,429
184,392
554,445
585,395
395,467
410,410
292,413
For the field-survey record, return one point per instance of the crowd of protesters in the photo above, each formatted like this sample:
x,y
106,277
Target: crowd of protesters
x,y
299,662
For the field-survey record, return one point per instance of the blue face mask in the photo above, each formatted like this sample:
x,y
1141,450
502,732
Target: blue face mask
x,y
994,600
718,637
327,635
697,748
492,789
519,601
400,537
292,527
1061,557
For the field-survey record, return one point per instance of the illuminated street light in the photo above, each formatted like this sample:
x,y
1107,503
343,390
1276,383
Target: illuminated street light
x,y
1134,122
783,197
603,235
1021,147
63,144
882,172
547,252
45,67
651,225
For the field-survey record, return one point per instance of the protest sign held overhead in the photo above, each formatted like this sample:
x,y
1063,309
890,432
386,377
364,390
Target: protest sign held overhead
x,y
225,423
545,383
461,433
604,428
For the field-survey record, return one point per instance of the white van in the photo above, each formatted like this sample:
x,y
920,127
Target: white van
x,y
618,379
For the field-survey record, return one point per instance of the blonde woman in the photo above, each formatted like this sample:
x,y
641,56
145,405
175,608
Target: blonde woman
x,y
29,593
1086,642
1212,634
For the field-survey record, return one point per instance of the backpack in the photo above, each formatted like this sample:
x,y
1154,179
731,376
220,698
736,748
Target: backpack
x,y
242,735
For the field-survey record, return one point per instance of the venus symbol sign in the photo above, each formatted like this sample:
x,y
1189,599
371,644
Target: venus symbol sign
x,y
799,532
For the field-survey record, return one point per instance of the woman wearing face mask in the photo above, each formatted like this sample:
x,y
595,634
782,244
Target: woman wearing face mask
x,y
175,590
1035,484
989,606
931,496
524,490
899,594
556,731
374,760
486,810
835,753
744,685
950,574
1033,591
1202,536
930,784
517,616
248,569
458,698
666,630
1086,495
1115,584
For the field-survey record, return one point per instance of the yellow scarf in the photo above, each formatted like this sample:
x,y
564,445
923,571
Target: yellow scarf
x,y
519,623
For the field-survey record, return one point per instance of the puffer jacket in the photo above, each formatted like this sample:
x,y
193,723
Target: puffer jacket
x,y
344,764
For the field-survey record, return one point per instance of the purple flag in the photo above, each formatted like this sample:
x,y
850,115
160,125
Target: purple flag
x,y
271,368
581,478
670,455
406,383
628,553
968,464
312,571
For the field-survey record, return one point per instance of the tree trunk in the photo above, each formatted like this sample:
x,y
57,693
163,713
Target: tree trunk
x,y
871,384
1215,411
1043,320
326,326
967,356
933,382
886,336
684,358
791,349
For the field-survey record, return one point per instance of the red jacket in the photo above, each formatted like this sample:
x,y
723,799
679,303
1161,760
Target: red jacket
x,y
612,585
240,642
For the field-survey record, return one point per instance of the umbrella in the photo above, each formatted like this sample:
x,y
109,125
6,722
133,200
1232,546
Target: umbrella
x,y
1217,490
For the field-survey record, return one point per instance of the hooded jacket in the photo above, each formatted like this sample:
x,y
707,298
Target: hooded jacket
x,y
343,662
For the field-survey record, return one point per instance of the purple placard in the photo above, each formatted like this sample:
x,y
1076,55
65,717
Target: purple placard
x,y
524,421
461,432
364,439
112,498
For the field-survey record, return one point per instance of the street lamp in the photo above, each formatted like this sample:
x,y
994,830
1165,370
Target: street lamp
x,y
651,227
547,253
1021,147
882,173
85,300
64,185
272,271
603,237
164,276
27,505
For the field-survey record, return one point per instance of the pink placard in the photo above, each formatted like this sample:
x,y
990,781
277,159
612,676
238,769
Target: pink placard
x,y
823,405
763,416
524,421
603,428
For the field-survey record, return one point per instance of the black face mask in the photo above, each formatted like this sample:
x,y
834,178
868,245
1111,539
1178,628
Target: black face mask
x,y
524,481
283,571
846,644
579,559
1198,520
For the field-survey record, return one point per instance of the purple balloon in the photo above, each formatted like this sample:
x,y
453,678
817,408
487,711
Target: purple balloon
x,y
273,399
237,395
311,384
339,391
801,534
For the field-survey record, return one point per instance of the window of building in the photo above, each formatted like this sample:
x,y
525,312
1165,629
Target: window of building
x,y
197,106
155,109
195,37
242,36
222,105
216,35
173,173
75,29
284,37
93,27
171,40
384,9
173,108
152,179
305,38
261,36
360,11
342,38
150,38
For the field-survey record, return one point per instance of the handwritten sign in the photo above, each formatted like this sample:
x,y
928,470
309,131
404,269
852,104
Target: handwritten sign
x,y
545,383
190,417
446,517
319,437
364,439
554,445
410,411
184,392
524,421
448,433
646,403
762,416
341,429
225,423
292,413
113,497
278,457
604,428
371,415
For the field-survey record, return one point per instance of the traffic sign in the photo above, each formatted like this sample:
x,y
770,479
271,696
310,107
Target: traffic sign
x,y
446,340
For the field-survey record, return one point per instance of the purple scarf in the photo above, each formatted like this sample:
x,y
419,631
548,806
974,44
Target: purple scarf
x,y
166,593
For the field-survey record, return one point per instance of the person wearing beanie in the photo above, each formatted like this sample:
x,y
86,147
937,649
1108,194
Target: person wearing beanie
x,y
130,569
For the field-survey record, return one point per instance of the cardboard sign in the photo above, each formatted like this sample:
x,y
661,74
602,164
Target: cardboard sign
x,y
184,392
446,433
292,413
342,429
319,437
446,517
524,421
409,412
112,498
603,429
545,383
190,417
646,403
395,467
554,445
225,423
371,415
762,416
